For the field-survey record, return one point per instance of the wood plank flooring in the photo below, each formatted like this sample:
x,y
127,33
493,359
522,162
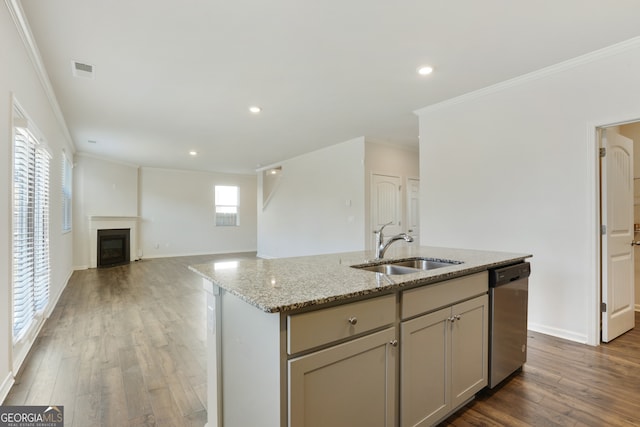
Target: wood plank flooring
x,y
126,346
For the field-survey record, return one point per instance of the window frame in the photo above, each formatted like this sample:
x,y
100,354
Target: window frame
x,y
30,231
222,218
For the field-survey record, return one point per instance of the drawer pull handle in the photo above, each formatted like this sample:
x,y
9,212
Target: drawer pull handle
x,y
394,343
353,320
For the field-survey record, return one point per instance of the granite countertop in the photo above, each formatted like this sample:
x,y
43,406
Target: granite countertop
x,y
284,284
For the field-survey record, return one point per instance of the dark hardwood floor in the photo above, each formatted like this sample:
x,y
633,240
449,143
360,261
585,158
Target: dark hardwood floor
x,y
565,384
125,346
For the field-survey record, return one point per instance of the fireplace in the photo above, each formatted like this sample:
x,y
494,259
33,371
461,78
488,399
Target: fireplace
x,y
113,247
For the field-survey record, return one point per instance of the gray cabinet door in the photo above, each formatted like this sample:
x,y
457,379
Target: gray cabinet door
x,y
348,385
469,349
444,361
425,369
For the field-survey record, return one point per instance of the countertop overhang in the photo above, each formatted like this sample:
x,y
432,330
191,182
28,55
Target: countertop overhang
x,y
286,284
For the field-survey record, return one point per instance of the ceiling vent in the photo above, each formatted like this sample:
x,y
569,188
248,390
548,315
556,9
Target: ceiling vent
x,y
80,69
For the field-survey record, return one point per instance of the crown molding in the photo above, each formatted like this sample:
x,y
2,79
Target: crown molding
x,y
396,146
22,25
596,55
106,159
197,171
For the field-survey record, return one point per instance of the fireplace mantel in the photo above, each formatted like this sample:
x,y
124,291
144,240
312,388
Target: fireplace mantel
x,y
106,222
113,218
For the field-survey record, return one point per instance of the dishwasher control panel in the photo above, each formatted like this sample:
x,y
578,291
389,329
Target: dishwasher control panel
x,y
511,273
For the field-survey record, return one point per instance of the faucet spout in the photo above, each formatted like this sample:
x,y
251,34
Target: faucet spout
x,y
382,246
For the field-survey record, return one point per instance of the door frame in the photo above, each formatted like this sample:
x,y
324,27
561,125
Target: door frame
x,y
407,207
618,258
595,219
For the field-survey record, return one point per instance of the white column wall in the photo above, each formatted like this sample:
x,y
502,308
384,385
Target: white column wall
x,y
101,188
318,205
514,168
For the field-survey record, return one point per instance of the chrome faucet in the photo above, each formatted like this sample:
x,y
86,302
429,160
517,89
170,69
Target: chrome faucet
x,y
382,246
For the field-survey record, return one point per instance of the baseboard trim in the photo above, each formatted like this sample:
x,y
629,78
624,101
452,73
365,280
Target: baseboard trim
x,y
559,333
6,386
196,254
265,256
54,301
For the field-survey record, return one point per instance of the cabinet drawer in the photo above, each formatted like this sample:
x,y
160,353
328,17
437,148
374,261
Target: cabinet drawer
x,y
315,328
431,297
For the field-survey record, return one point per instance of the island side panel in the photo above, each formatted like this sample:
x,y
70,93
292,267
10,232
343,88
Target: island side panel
x,y
214,376
250,365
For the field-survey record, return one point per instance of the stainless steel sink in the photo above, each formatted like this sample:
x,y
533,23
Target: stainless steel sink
x,y
407,266
388,269
424,263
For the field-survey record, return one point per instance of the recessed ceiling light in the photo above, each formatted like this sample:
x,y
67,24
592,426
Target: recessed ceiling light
x,y
193,153
255,109
425,70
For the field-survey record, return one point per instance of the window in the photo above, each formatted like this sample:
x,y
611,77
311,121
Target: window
x,y
226,200
66,192
30,244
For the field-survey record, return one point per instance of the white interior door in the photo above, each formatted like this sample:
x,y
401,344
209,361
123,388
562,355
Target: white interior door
x,y
385,203
413,209
617,250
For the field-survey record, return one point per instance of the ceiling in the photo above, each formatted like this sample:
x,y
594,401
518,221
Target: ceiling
x,y
175,76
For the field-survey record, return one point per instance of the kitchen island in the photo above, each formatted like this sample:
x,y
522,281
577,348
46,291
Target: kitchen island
x,y
312,341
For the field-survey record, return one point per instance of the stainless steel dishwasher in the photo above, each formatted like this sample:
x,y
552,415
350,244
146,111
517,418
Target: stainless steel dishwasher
x,y
508,298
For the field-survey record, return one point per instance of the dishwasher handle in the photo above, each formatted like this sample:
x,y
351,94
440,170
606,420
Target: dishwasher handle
x,y
505,275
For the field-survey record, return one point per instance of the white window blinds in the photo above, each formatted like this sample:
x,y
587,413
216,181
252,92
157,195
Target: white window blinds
x,y
31,270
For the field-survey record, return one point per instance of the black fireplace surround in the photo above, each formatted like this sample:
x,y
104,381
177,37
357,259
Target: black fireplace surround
x,y
113,247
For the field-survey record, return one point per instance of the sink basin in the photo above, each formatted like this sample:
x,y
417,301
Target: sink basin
x,y
407,266
388,269
424,263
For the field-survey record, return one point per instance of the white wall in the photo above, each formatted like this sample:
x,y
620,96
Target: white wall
x,y
18,76
318,205
175,208
385,159
178,213
101,188
514,168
